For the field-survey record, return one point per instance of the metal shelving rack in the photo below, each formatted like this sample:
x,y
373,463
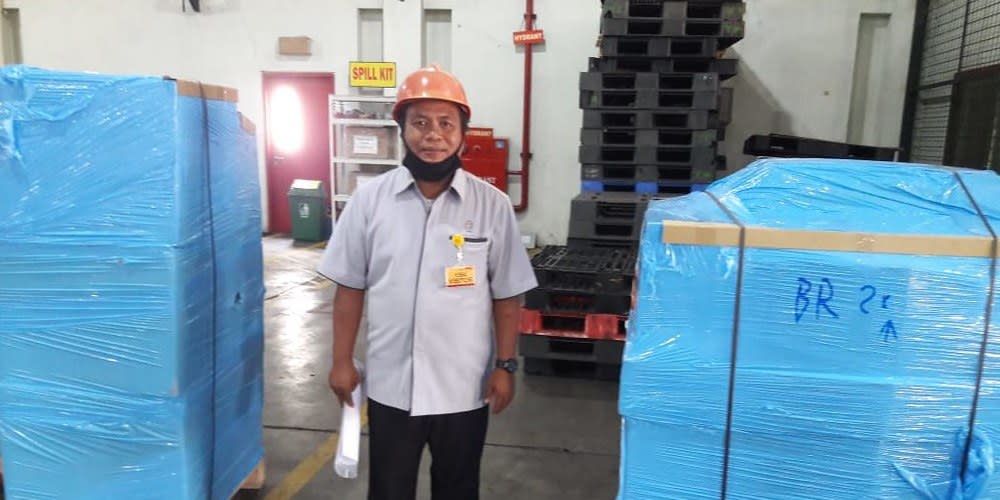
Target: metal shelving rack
x,y
364,142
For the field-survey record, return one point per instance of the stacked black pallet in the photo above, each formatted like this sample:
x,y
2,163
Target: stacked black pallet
x,y
607,220
573,324
779,145
654,109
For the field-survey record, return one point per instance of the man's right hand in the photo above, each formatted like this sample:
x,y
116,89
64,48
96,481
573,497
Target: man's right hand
x,y
343,380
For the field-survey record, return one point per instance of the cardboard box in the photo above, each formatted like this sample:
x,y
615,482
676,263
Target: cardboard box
x,y
377,143
295,46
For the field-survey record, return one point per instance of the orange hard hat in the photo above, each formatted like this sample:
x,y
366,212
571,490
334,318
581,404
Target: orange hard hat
x,y
431,83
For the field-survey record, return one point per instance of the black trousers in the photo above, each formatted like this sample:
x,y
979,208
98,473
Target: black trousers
x,y
396,442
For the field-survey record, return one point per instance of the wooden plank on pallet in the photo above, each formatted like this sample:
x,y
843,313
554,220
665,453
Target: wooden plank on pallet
x,y
255,481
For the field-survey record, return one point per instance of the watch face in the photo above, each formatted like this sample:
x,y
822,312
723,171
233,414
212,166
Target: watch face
x,y
508,364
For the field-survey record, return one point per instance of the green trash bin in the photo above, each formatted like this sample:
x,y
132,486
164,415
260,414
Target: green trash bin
x,y
307,205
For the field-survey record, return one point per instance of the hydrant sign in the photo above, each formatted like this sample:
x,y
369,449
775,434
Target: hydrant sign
x,y
372,74
529,37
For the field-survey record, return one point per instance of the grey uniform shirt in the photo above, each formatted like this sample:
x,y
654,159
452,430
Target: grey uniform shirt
x,y
430,347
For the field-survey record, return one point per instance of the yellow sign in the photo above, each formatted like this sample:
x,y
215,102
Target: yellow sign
x,y
373,74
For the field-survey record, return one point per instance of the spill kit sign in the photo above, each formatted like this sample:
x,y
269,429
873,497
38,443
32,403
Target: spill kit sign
x,y
373,74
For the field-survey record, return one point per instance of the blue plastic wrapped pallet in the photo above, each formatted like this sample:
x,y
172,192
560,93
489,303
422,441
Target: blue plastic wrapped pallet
x,y
131,292
816,329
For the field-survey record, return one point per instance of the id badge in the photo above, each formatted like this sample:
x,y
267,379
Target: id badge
x,y
456,276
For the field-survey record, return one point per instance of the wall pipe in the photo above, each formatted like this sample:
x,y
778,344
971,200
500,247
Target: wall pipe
x,y
529,23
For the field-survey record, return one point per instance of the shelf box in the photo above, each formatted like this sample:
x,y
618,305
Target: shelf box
x,y
370,142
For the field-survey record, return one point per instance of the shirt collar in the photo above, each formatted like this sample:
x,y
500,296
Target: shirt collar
x,y
404,179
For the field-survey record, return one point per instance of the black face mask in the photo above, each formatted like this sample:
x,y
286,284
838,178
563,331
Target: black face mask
x,y
431,172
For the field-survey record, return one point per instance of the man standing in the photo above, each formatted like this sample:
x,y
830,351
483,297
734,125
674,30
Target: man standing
x,y
437,254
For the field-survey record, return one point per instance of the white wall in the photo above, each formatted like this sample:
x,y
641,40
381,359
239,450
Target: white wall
x,y
485,53
796,69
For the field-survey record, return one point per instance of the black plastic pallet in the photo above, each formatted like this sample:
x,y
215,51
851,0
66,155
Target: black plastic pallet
x,y
572,349
660,100
649,137
694,47
651,173
603,231
562,368
725,68
680,156
619,207
728,30
646,187
711,9
547,300
601,244
599,271
604,216
804,147
721,163
699,119
594,80
725,105
607,215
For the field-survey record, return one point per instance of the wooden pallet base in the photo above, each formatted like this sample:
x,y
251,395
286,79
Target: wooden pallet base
x,y
255,480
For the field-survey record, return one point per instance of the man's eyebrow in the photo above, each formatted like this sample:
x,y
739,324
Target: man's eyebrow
x,y
418,114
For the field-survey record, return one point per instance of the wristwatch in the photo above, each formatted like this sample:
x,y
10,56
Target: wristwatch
x,y
507,364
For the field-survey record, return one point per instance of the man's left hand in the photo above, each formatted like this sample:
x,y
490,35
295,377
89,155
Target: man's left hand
x,y
500,390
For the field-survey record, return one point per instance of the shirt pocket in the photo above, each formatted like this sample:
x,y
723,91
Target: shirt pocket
x,y
475,253
476,244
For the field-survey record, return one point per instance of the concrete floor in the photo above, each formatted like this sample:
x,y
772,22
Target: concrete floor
x,y
559,438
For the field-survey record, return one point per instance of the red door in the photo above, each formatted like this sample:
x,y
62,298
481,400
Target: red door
x,y
297,144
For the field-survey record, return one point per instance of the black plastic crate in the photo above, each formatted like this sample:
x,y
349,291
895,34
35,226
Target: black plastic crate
x,y
651,99
680,156
648,137
594,80
698,119
725,68
692,47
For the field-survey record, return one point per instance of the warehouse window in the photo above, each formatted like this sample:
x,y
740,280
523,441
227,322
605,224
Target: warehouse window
x,y
369,41
11,36
973,129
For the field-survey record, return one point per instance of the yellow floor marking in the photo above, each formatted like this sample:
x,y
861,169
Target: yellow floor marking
x,y
307,469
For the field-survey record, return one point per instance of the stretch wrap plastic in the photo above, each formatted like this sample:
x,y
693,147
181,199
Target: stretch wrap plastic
x,y
814,363
131,291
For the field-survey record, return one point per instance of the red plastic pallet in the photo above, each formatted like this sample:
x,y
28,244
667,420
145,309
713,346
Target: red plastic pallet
x,y
573,325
